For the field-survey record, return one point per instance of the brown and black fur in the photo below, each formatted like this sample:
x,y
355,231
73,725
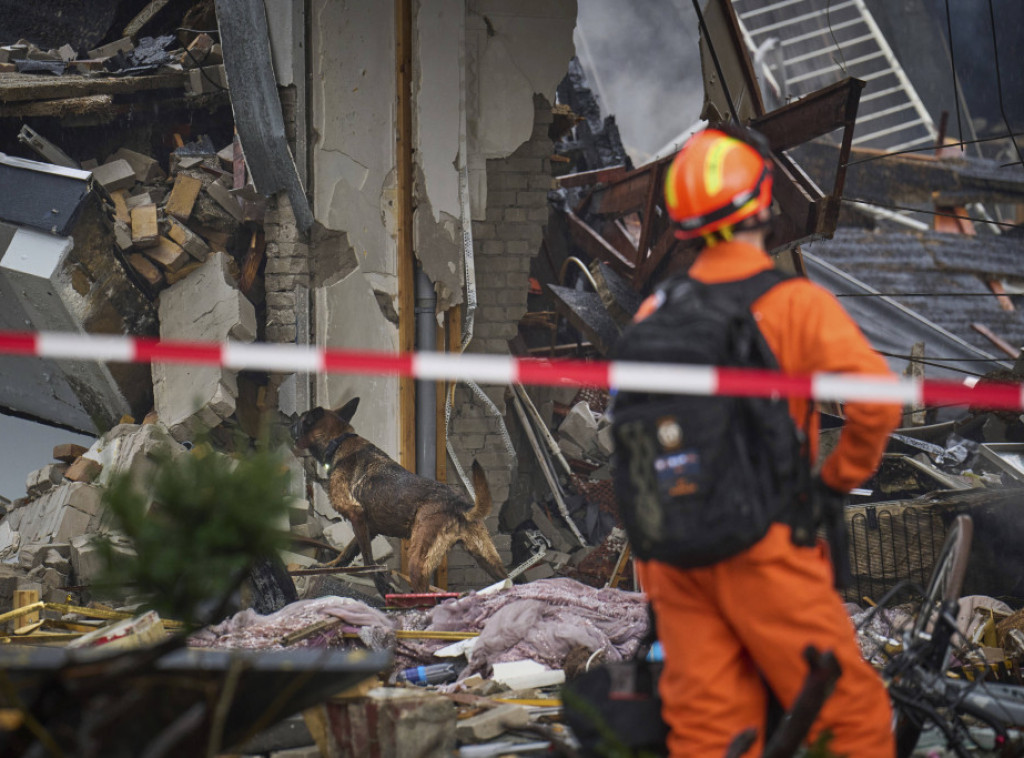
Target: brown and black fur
x,y
378,496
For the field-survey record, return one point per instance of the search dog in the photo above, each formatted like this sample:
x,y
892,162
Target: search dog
x,y
379,496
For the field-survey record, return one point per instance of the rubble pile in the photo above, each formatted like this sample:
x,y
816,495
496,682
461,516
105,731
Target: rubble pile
x,y
201,60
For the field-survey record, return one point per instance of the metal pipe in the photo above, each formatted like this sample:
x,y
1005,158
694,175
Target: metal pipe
x,y
548,473
426,395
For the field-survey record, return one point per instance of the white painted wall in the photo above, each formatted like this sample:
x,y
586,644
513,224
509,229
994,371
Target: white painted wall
x,y
353,102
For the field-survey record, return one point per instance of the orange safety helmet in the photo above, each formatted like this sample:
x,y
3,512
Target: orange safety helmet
x,y
715,182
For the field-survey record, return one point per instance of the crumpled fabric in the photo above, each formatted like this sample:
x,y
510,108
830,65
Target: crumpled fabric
x,y
251,631
545,619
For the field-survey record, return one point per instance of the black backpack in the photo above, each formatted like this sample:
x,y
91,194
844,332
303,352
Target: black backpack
x,y
699,479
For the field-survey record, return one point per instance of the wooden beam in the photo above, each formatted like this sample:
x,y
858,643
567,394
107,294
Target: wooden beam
x,y
21,87
597,246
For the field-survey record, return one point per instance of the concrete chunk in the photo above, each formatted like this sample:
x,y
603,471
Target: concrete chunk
x,y
580,427
114,175
146,169
43,479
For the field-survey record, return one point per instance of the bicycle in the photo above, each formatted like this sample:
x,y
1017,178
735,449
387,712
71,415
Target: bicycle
x,y
923,693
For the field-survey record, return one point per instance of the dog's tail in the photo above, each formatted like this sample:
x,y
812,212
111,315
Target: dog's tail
x,y
482,507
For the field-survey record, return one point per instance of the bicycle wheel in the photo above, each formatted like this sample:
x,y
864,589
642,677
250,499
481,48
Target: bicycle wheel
x,y
930,637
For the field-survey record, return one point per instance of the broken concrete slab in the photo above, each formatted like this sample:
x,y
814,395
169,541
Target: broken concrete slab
x,y
206,306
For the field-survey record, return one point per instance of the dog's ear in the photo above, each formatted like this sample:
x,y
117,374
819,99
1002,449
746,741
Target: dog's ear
x,y
348,410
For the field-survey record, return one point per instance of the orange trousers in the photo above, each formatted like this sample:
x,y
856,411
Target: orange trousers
x,y
723,627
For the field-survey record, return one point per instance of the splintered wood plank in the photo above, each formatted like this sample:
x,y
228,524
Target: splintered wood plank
x,y
23,598
183,196
145,227
168,254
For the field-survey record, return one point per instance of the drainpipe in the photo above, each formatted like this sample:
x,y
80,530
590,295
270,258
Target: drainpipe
x,y
426,394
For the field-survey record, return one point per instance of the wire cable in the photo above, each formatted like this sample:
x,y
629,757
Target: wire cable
x,y
930,148
952,63
861,201
828,19
999,82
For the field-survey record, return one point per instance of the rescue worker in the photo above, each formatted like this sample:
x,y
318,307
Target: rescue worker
x,y
729,629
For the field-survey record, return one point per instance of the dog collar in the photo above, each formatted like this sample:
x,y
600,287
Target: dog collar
x,y
333,445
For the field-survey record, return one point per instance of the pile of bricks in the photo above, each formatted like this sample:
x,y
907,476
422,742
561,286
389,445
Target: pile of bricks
x,y
165,226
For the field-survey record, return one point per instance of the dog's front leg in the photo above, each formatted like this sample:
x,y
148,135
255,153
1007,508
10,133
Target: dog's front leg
x,y
362,531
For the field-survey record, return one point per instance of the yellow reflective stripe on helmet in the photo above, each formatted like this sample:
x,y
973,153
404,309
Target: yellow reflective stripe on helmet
x,y
671,197
714,164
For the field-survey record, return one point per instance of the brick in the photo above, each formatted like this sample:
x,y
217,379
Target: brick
x,y
68,452
514,231
279,333
145,227
518,247
225,199
183,197
525,165
114,175
483,231
120,205
539,215
43,479
501,198
492,247
284,316
83,470
145,268
532,198
168,254
190,242
287,266
514,214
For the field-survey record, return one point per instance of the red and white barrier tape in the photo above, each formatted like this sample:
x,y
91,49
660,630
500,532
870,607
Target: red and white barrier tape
x,y
496,369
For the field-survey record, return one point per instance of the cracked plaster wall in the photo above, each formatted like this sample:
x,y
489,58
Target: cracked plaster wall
x,y
352,100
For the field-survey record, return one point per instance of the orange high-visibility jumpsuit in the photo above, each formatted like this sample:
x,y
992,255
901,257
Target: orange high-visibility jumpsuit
x,y
725,626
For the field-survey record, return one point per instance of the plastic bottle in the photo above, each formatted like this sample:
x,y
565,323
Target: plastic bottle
x,y
437,673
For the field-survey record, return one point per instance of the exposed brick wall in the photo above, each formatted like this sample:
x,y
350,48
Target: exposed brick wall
x,y
287,254
504,243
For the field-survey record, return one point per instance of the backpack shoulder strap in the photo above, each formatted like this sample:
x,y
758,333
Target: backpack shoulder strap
x,y
743,292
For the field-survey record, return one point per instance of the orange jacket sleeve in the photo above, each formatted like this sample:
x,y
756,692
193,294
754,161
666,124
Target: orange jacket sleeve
x,y
810,332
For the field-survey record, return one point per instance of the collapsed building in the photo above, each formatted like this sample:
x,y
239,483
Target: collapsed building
x,y
227,171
